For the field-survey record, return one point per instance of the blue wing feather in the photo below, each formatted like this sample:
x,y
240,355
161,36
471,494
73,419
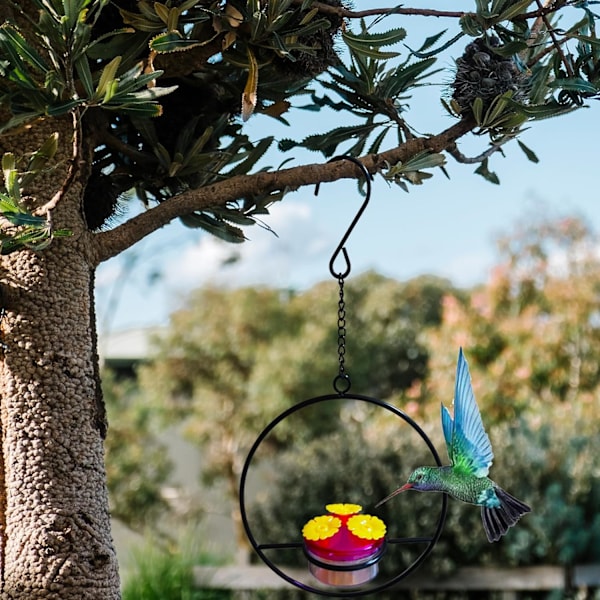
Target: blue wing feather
x,y
468,444
447,427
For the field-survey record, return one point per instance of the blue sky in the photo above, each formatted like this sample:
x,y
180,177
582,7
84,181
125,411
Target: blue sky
x,y
445,227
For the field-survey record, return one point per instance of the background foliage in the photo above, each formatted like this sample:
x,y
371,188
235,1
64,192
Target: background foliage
x,y
532,345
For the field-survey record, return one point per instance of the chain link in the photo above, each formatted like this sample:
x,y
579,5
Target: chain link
x,y
341,384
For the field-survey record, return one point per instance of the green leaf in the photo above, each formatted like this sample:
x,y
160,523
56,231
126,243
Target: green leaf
x,y
368,50
530,154
484,171
147,110
108,75
538,83
477,108
510,49
172,41
411,170
9,35
576,84
21,218
73,11
387,38
430,41
252,158
515,9
376,144
544,111
82,67
287,144
406,76
144,95
327,143
61,108
593,41
497,107
470,24
39,159
11,181
18,120
424,160
217,227
162,12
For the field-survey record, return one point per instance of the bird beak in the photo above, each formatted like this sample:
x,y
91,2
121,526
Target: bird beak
x,y
405,487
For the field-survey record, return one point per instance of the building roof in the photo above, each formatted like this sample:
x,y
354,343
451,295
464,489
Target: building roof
x,y
128,346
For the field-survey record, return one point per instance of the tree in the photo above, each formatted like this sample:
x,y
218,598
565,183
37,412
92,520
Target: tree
x,y
209,372
99,98
137,463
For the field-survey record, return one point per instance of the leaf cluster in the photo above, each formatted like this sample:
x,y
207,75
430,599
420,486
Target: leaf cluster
x,y
369,90
233,360
97,58
561,64
161,89
19,228
59,77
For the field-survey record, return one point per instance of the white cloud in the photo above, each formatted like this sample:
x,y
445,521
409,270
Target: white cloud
x,y
264,259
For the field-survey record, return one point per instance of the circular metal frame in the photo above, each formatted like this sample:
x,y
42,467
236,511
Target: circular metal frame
x,y
260,548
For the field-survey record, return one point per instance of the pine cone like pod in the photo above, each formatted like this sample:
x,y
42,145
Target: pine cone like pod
x,y
481,73
323,41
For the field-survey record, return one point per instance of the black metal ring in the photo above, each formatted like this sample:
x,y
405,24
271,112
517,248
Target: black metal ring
x,y
430,541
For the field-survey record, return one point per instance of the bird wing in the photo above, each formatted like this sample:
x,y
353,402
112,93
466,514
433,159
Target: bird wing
x,y
468,444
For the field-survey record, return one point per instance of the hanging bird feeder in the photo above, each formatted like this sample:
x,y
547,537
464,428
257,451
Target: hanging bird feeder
x,y
344,548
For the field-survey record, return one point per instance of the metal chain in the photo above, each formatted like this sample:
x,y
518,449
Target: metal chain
x,y
341,384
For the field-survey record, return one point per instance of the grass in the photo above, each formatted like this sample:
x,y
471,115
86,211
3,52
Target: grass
x,y
159,574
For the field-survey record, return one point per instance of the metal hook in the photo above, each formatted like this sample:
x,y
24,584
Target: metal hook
x,y
341,248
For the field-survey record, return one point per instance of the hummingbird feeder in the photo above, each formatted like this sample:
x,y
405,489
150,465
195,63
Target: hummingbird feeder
x,y
344,548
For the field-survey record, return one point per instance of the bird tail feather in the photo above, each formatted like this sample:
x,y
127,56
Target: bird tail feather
x,y
496,521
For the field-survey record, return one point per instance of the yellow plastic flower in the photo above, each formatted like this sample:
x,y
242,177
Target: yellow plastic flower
x,y
344,509
367,527
321,528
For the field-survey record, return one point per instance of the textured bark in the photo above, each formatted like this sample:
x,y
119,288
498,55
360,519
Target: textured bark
x,y
57,542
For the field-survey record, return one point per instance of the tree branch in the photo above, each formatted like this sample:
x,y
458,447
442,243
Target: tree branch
x,y
472,160
106,244
340,11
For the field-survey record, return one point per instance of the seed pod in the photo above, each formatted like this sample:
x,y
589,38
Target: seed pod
x,y
482,73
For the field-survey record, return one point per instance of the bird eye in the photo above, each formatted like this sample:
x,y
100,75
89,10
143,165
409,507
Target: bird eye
x,y
419,476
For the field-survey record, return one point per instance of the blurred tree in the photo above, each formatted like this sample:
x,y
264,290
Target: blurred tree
x,y
137,464
206,374
387,319
532,338
533,330
232,360
99,98
519,333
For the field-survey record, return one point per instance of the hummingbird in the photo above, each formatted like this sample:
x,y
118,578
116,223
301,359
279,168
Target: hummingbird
x,y
471,456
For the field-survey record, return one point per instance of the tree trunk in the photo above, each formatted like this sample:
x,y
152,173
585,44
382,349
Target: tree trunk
x,y
55,526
